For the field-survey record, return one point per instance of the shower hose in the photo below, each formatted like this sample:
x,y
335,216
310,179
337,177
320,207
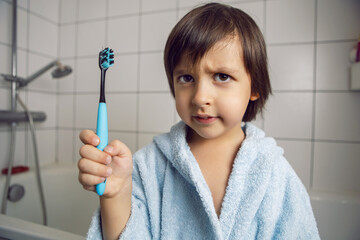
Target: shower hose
x,y
37,165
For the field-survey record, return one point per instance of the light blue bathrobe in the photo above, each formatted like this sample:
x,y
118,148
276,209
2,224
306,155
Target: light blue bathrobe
x,y
264,198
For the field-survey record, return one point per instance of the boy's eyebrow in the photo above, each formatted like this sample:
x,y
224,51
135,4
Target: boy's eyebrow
x,y
179,71
225,70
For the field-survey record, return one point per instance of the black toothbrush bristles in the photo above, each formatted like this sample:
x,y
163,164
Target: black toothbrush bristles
x,y
106,60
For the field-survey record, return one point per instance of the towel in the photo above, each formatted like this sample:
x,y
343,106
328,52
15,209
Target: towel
x,y
264,198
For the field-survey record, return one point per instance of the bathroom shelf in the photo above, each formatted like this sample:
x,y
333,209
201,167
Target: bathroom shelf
x,y
10,116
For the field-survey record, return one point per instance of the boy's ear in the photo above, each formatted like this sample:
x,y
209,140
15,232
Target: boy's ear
x,y
254,96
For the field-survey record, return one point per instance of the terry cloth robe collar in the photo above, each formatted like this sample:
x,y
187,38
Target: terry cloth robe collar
x,y
247,183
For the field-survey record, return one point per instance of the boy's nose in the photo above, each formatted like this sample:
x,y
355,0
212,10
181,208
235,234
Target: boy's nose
x,y
202,95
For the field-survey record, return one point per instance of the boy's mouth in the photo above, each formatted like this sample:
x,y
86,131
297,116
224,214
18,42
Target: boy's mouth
x,y
204,119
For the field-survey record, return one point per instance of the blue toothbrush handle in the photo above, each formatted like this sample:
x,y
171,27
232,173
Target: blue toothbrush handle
x,y
102,132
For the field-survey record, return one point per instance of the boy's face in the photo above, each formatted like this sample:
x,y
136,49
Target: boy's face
x,y
212,95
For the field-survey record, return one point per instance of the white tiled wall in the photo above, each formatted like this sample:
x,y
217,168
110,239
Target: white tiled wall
x,y
152,67
337,20
333,55
46,9
290,21
123,74
43,36
125,7
155,28
289,115
337,116
122,111
38,41
290,75
156,112
91,9
93,34
311,113
123,34
336,166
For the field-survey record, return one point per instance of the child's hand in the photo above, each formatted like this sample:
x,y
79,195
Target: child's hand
x,y
114,164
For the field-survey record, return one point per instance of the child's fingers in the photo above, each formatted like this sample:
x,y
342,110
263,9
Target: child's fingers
x,y
117,148
122,167
122,159
90,152
89,181
89,188
90,167
89,137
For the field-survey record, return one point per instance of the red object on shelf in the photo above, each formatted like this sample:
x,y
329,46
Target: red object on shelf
x,y
15,170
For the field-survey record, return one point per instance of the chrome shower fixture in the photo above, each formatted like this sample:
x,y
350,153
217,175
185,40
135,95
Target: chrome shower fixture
x,y
60,71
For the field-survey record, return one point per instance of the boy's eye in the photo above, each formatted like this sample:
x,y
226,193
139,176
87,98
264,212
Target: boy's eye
x,y
221,77
186,78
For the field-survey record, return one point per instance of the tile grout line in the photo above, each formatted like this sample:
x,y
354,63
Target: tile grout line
x,y
73,150
137,137
57,160
312,158
177,20
267,60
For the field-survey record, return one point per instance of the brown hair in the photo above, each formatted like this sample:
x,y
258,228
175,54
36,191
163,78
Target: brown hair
x,y
202,27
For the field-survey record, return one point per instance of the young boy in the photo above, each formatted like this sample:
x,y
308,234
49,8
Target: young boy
x,y
210,177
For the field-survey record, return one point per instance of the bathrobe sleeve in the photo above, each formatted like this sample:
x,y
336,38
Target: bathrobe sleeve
x,y
144,190
287,206
138,225
296,220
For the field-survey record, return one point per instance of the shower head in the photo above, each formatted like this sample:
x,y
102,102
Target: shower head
x,y
61,71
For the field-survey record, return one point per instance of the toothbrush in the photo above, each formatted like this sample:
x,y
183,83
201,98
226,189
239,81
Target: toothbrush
x,y
106,60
